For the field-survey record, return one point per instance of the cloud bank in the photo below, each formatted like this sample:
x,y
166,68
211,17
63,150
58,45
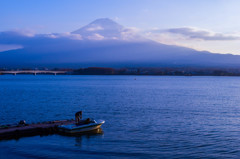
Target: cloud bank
x,y
196,33
64,35
196,38
191,37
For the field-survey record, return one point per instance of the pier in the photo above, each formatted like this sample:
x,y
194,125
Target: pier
x,y
34,72
24,130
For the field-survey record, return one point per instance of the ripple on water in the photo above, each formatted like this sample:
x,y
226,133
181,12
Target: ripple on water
x,y
151,117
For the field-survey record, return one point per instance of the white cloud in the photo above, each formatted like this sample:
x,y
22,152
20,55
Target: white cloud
x,y
200,34
115,38
199,39
96,37
127,34
65,35
131,34
95,28
133,29
25,32
71,36
53,36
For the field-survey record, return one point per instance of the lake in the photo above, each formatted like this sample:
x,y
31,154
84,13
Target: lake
x,y
146,116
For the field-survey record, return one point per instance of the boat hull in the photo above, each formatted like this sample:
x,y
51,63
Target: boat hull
x,y
73,128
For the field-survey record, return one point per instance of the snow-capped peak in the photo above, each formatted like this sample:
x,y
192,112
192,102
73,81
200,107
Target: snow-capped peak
x,y
105,29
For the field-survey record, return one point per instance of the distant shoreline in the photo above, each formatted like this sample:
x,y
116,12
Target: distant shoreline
x,y
164,71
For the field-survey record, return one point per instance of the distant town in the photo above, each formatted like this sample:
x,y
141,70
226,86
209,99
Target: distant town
x,y
164,71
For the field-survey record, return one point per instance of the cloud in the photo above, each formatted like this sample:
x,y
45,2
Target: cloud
x,y
96,37
131,34
133,29
16,34
201,34
164,37
196,38
64,35
127,34
95,28
26,32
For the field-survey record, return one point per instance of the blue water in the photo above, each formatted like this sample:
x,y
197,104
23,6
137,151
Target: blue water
x,y
146,116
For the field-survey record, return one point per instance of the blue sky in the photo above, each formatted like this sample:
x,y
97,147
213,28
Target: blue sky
x,y
153,18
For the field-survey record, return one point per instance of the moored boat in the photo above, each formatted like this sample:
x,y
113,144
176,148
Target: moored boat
x,y
81,127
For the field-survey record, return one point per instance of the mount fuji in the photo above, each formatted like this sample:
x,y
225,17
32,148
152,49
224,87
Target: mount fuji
x,y
105,29
102,43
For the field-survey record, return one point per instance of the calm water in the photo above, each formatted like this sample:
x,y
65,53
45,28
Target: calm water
x,y
150,117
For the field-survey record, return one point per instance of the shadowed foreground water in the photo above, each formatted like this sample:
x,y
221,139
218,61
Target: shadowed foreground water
x,y
150,117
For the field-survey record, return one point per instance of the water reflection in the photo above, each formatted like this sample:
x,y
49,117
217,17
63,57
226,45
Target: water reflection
x,y
98,131
84,135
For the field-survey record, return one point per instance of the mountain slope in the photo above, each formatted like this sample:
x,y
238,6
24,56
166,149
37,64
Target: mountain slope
x,y
82,48
103,27
107,29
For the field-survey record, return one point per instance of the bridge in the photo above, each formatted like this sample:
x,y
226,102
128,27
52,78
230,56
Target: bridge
x,y
34,72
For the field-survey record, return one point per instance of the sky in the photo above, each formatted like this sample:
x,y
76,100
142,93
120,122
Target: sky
x,y
211,25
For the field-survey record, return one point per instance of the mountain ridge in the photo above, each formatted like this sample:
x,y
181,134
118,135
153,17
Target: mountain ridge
x,y
103,42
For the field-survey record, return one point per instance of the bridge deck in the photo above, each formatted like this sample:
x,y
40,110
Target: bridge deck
x,y
32,72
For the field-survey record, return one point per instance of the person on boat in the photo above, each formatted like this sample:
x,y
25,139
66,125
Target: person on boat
x,y
78,117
